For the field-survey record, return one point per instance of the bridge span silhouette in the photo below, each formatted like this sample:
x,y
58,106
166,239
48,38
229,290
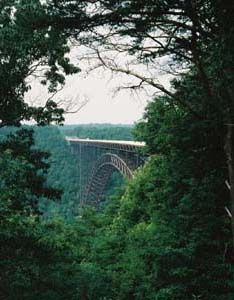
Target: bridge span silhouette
x,y
98,159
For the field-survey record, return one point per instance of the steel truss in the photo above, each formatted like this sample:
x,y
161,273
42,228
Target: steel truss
x,y
103,158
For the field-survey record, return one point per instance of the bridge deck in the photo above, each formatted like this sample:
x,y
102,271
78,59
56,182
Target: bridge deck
x,y
110,142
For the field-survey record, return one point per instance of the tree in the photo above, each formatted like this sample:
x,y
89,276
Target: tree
x,y
28,264
32,266
30,46
184,33
190,36
189,210
22,174
168,235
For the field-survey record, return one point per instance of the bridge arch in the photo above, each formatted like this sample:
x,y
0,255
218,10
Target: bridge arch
x,y
98,159
102,170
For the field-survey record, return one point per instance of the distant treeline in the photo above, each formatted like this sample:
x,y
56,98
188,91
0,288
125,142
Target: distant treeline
x,y
99,131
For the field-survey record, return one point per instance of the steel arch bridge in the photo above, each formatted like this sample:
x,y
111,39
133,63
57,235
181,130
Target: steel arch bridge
x,y
98,159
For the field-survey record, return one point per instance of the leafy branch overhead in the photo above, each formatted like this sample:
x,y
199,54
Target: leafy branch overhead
x,y
30,45
169,233
176,36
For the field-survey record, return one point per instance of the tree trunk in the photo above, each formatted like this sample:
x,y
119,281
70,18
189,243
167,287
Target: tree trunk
x,y
229,149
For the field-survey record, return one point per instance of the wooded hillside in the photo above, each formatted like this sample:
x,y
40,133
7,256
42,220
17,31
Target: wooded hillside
x,y
168,234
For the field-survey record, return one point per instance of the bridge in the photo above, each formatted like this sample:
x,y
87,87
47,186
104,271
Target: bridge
x,y
98,159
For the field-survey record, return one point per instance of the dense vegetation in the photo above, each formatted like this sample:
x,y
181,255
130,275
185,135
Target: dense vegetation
x,y
63,172
167,235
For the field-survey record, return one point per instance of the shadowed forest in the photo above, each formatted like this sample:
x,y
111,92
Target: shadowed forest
x,y
166,234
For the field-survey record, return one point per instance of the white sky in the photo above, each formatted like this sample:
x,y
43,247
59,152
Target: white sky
x,y
104,105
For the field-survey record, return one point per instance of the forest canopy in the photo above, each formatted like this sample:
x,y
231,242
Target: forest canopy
x,y
169,233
